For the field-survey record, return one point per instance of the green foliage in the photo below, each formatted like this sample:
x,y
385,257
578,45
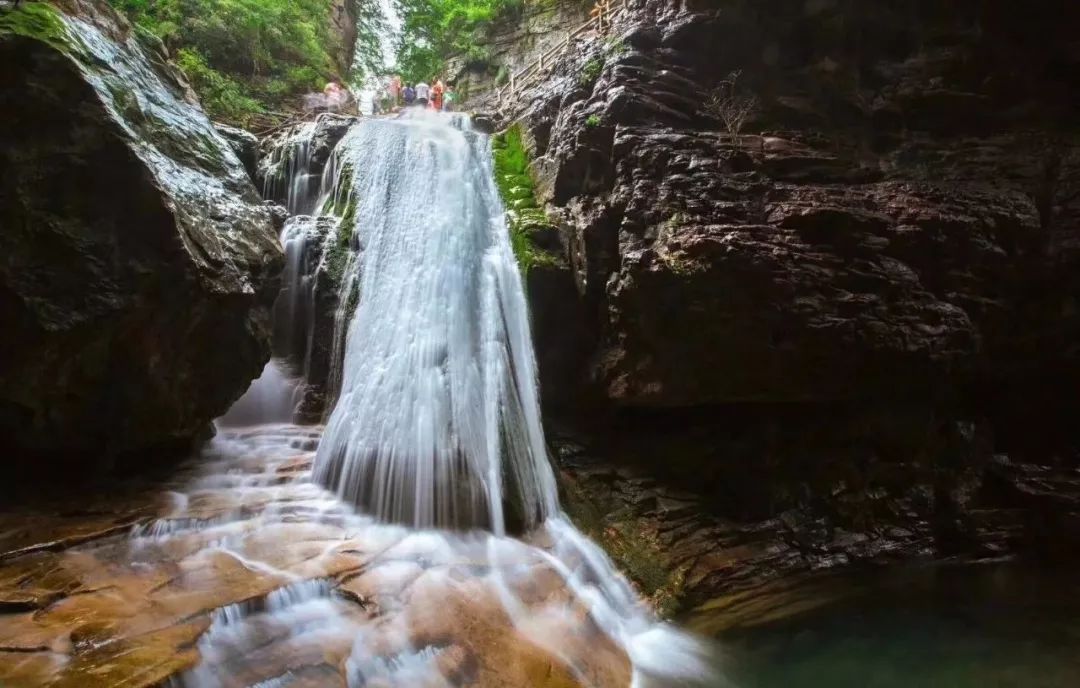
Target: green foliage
x,y
434,30
591,71
36,20
518,194
592,121
245,55
223,97
615,46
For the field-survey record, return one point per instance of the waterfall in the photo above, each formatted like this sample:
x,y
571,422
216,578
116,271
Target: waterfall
x,y
291,177
436,430
438,421
307,181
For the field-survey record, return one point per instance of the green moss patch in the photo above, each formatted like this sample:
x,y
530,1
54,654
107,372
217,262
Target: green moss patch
x,y
36,20
631,542
342,203
524,218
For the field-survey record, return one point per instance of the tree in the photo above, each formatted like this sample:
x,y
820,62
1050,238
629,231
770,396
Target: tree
x,y
245,56
731,106
434,30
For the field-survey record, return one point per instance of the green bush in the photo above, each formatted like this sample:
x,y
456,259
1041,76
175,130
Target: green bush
x,y
222,96
592,121
591,71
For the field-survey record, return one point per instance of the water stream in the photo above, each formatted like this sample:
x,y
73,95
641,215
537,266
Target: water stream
x,y
433,453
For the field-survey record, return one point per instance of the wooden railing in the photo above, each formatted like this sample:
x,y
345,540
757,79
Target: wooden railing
x,y
600,20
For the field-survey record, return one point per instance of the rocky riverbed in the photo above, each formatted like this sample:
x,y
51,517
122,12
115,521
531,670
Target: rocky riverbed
x,y
238,570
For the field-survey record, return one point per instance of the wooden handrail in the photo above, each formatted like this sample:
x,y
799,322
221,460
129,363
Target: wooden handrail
x,y
521,78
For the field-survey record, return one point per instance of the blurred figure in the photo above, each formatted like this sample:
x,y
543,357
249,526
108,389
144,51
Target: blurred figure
x,y
367,102
410,96
423,94
448,99
395,91
437,92
336,97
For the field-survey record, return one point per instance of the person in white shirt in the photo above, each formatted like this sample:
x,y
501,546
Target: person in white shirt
x,y
423,92
367,103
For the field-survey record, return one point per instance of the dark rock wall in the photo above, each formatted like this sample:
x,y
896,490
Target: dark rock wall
x,y
139,261
343,15
882,269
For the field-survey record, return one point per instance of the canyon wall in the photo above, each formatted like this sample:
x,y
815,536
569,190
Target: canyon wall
x,y
860,312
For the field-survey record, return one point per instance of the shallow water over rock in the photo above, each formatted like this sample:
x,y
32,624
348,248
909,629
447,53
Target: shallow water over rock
x,y
239,571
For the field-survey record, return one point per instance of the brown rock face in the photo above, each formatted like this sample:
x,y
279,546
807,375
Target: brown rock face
x,y
343,15
893,216
849,308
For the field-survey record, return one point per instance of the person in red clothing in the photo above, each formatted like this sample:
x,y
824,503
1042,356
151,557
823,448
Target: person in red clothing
x,y
437,95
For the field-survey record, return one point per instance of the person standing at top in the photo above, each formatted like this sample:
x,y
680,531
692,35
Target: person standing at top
x,y
423,94
367,102
395,91
409,95
437,95
334,96
448,99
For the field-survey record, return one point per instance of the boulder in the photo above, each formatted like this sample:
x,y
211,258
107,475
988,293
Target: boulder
x,y
244,144
140,263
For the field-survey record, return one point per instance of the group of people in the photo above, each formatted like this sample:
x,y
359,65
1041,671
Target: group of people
x,y
383,97
436,96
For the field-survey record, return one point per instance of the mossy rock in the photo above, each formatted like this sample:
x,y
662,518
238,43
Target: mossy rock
x,y
39,21
516,193
523,203
526,221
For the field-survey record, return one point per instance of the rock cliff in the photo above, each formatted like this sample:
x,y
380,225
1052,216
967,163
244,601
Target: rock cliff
x,y
847,307
140,263
343,15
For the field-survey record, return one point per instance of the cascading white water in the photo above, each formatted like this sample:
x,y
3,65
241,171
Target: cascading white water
x,y
290,176
438,421
307,240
